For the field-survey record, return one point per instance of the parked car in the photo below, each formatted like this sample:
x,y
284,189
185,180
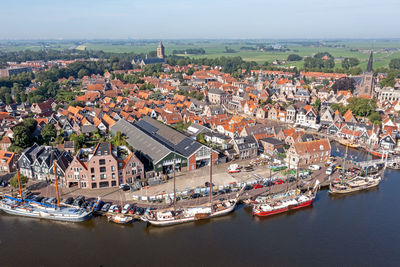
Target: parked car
x,y
106,207
69,200
98,206
3,183
279,181
126,208
84,205
125,187
51,200
268,183
248,187
140,211
132,209
78,201
207,184
38,198
256,186
195,195
314,167
44,200
112,208
329,171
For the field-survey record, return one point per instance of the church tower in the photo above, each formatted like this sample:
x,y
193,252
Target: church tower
x,y
160,51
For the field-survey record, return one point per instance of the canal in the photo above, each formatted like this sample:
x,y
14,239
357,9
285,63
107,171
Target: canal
x,y
358,229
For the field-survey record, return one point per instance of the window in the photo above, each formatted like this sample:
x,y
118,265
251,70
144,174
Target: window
x,y
103,184
93,178
102,161
113,183
112,168
92,170
94,185
113,175
102,169
83,184
103,176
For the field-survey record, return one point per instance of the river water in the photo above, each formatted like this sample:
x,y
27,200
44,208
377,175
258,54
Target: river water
x,y
359,229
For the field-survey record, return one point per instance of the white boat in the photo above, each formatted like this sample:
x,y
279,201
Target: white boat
x,y
42,211
357,184
174,216
29,208
119,218
190,214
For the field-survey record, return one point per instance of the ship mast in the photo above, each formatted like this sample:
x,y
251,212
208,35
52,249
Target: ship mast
x,y
344,162
174,180
55,178
19,185
211,178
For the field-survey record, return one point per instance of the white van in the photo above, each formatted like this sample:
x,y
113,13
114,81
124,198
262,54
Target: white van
x,y
329,171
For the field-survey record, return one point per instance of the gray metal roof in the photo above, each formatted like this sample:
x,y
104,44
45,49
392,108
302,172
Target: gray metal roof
x,y
168,136
139,140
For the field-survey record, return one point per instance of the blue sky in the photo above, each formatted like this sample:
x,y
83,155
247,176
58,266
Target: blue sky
x,y
170,19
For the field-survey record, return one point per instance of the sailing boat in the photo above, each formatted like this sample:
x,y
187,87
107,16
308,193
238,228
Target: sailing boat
x,y
29,208
291,202
175,216
358,183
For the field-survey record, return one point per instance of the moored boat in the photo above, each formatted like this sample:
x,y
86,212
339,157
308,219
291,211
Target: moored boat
x,y
19,207
355,185
285,204
119,218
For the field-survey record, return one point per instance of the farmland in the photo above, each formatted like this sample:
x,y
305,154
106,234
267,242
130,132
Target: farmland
x,y
384,50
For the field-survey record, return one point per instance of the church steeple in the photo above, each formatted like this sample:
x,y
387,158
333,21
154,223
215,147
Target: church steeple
x,y
370,61
160,51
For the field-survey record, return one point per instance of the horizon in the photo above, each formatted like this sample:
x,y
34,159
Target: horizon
x,y
176,19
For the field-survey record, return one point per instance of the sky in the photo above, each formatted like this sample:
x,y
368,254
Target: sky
x,y
208,19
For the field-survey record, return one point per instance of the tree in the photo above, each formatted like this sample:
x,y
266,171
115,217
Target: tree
x,y
118,139
336,106
22,137
79,141
317,104
361,106
14,181
351,62
344,84
82,73
394,63
294,57
49,132
375,118
30,124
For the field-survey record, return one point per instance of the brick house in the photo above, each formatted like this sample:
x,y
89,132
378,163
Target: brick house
x,y
217,96
104,166
7,161
307,153
271,145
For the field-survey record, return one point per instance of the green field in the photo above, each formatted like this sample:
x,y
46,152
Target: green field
x,y
216,48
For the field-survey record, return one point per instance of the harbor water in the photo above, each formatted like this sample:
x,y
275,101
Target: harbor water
x,y
360,229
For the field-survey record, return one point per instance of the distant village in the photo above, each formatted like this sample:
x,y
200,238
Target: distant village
x,y
124,133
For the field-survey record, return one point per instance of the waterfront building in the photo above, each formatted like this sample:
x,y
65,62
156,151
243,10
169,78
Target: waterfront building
x,y
306,153
37,162
103,166
158,144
